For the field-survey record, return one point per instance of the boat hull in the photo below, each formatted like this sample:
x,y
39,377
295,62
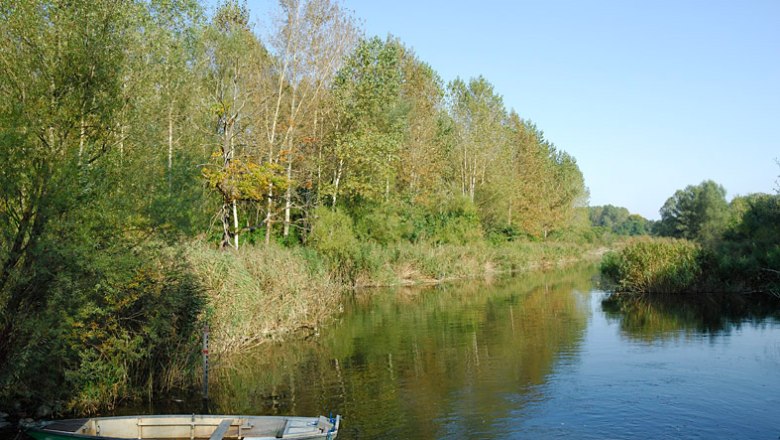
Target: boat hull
x,y
187,427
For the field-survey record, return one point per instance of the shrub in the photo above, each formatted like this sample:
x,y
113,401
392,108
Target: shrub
x,y
383,224
654,266
748,256
123,328
455,222
333,236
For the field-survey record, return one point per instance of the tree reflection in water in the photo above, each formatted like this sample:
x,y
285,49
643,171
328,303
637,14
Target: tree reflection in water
x,y
654,317
420,363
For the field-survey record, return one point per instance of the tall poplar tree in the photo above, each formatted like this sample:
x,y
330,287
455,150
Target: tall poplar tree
x,y
422,156
363,148
478,113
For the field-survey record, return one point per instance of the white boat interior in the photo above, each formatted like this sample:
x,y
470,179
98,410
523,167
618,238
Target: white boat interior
x,y
198,427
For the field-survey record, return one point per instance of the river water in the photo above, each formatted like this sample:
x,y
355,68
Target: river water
x,y
535,356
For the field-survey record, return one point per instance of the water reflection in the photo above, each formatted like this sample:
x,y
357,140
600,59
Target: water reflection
x,y
539,356
658,317
420,363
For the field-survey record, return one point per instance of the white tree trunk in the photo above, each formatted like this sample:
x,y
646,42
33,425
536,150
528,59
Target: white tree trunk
x,y
288,200
170,140
269,214
82,136
337,180
235,225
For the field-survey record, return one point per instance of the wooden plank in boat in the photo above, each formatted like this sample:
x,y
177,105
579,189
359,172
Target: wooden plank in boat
x,y
70,425
221,430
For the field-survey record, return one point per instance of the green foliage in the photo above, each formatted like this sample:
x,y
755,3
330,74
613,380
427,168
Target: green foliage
x,y
618,220
749,252
109,332
740,249
698,212
654,266
87,283
366,94
383,224
455,222
333,236
113,113
232,15
448,220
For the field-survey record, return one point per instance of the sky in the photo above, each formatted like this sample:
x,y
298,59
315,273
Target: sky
x,y
648,96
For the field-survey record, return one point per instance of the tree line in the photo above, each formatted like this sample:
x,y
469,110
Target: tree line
x,y
128,129
153,99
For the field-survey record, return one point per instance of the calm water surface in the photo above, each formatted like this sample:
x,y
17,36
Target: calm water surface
x,y
537,356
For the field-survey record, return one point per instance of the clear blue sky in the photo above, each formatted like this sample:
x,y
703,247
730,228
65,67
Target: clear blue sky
x,y
649,96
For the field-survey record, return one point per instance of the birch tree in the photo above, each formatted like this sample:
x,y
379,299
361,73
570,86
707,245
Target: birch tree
x,y
310,45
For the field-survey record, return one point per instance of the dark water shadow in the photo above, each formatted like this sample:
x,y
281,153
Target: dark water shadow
x,y
660,316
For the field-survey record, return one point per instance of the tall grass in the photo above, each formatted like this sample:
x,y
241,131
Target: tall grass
x,y
406,263
654,265
262,292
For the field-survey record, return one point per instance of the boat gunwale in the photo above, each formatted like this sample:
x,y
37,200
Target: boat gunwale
x,y
238,420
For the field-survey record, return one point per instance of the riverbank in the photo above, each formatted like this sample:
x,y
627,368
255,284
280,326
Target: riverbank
x,y
139,337
269,293
678,266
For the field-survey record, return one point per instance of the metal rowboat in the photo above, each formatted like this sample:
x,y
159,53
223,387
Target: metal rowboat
x,y
187,427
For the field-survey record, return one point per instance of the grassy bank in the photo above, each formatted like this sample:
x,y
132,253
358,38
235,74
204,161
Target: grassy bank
x,y
263,293
679,266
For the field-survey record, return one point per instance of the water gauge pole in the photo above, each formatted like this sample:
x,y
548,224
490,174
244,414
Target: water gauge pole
x,y
205,363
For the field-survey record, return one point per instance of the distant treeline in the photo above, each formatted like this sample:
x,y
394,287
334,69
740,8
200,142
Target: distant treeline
x,y
133,132
618,220
708,245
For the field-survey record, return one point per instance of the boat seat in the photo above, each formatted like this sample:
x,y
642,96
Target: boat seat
x,y
221,430
285,427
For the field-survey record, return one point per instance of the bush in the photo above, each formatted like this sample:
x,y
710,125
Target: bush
x,y
455,222
748,256
126,326
333,236
383,224
655,266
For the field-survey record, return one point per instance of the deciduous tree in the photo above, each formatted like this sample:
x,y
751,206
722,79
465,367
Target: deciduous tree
x,y
698,212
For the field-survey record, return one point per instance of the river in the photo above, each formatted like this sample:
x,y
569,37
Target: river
x,y
534,356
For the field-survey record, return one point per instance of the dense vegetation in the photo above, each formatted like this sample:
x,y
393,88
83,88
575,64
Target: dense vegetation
x,y
139,137
609,219
165,168
716,246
